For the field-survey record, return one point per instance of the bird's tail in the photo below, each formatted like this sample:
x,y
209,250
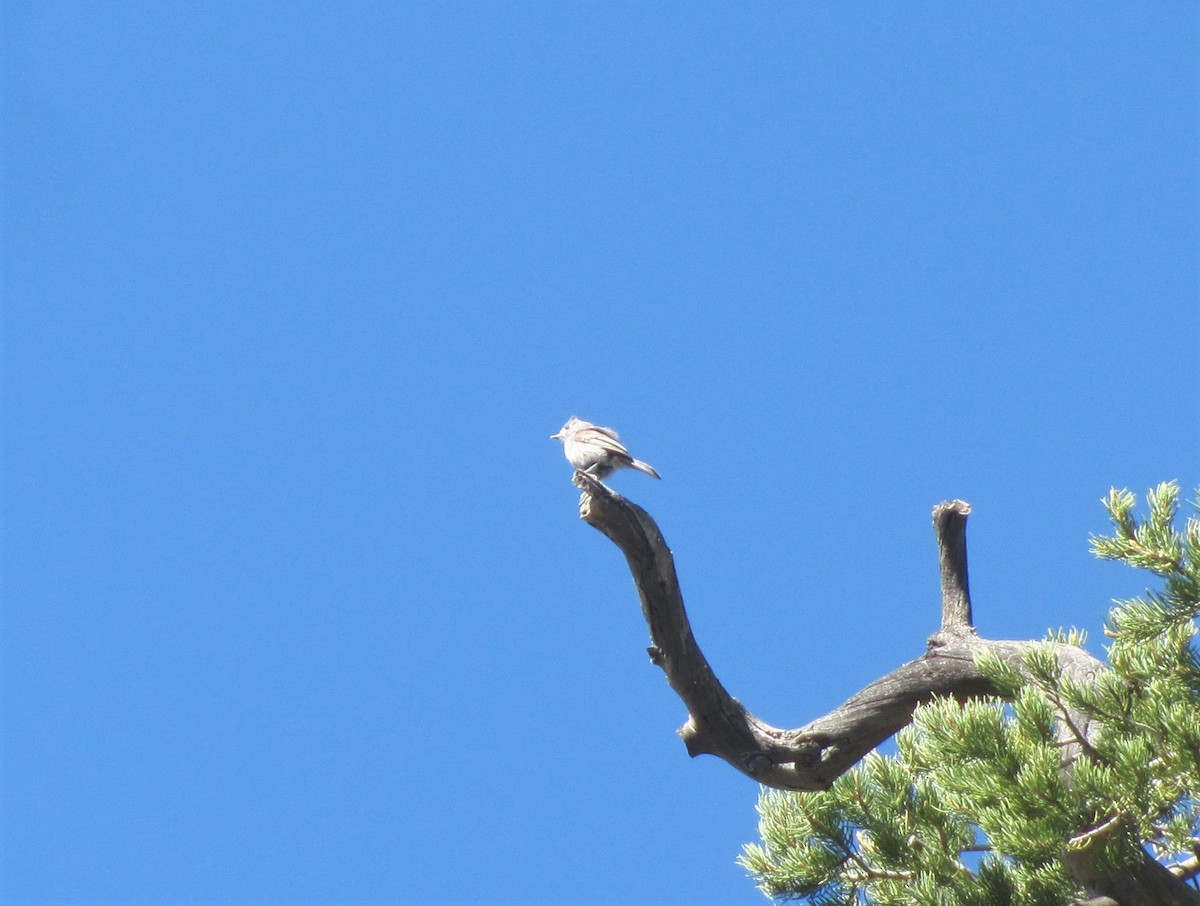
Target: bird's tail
x,y
644,467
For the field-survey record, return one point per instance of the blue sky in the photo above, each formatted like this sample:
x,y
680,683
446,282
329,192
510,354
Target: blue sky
x,y
296,604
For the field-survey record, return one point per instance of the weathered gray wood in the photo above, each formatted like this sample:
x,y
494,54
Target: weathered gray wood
x,y
950,526
813,756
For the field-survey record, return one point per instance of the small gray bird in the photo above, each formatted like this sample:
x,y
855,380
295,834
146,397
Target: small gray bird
x,y
595,450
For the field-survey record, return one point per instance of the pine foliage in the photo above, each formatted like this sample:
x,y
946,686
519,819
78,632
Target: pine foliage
x,y
979,806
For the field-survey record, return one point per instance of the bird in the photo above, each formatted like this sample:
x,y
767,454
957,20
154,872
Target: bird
x,y
596,450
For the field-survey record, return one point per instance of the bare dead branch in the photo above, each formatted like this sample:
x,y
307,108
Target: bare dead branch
x,y
950,526
811,757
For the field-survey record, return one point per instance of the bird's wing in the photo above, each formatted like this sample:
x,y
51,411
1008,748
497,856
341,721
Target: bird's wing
x,y
604,438
609,431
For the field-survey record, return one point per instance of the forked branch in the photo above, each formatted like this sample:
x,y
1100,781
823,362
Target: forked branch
x,y
813,756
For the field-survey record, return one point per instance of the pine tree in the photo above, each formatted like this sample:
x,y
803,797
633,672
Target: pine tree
x,y
1024,796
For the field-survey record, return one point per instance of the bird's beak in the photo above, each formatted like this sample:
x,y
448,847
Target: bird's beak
x,y
557,436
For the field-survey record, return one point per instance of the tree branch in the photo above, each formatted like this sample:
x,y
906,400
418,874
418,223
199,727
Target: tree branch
x,y
950,526
813,756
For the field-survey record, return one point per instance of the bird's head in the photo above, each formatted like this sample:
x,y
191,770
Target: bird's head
x,y
568,429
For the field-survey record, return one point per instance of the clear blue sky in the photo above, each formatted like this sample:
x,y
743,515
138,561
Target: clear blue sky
x,y
296,604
